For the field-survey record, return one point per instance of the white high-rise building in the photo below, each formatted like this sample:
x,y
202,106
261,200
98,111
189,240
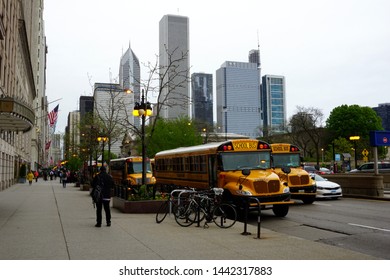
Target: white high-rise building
x,y
174,45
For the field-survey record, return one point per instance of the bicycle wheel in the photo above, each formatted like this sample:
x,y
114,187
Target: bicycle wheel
x,y
224,215
162,212
185,215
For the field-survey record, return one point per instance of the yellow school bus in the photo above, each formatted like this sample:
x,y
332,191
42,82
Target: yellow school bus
x,y
127,173
241,167
302,186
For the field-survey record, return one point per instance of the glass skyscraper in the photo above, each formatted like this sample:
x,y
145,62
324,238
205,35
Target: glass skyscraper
x,y
202,98
238,98
273,99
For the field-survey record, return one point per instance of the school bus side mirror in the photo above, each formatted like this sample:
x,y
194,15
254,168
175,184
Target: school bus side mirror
x,y
246,172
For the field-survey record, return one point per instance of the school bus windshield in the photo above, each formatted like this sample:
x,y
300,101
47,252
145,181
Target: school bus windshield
x,y
291,160
136,167
242,160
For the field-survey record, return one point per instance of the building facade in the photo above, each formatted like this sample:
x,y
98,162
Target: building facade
x,y
273,100
383,111
130,78
174,59
23,106
238,98
114,108
202,99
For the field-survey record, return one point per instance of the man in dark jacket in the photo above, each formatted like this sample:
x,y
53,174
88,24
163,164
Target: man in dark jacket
x,y
105,181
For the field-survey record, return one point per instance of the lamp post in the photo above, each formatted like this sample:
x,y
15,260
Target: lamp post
x,y
143,110
102,139
354,139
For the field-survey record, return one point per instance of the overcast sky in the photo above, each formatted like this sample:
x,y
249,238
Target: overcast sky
x,y
331,52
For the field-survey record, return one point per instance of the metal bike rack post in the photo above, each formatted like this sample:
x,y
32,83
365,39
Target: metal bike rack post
x,y
258,217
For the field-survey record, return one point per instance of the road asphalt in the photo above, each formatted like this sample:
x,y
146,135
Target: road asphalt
x,y
45,221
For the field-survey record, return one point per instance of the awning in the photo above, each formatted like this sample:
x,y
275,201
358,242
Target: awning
x,y
15,116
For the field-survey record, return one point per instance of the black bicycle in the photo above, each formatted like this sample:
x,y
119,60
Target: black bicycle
x,y
206,206
171,204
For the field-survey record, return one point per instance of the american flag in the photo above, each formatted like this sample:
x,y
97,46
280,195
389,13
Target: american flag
x,y
53,115
47,146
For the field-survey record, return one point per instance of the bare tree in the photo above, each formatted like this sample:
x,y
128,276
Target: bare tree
x,y
163,84
306,127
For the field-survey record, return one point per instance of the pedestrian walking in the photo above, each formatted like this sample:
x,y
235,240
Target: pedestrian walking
x,y
30,177
64,178
36,175
105,181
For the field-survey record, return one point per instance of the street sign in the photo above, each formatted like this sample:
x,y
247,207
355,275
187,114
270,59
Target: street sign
x,y
380,138
365,153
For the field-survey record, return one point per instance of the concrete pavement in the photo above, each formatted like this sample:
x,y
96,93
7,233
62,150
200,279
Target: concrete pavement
x,y
48,222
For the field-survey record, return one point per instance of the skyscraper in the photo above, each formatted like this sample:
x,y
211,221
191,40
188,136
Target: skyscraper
x,y
174,66
238,98
114,108
273,99
383,111
130,78
202,95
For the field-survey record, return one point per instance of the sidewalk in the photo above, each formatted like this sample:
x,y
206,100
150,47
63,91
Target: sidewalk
x,y
48,222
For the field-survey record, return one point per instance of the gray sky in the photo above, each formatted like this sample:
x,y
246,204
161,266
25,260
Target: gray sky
x,y
331,52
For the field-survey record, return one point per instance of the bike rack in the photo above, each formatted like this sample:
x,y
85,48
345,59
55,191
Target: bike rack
x,y
258,217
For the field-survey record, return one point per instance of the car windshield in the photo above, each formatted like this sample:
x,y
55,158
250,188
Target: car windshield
x,y
319,178
291,160
243,160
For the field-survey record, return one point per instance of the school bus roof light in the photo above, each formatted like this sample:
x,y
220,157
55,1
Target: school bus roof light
x,y
227,148
263,146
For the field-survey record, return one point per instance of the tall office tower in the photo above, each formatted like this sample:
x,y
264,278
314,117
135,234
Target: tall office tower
x,y
86,105
273,99
238,98
383,111
202,94
114,108
130,78
174,46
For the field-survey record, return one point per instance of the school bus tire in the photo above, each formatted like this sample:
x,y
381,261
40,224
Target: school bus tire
x,y
280,210
309,199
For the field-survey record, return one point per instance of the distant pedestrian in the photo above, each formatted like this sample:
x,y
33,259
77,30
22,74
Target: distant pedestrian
x,y
64,178
36,175
30,177
105,181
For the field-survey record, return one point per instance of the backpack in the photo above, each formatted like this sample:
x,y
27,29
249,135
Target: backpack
x,y
97,192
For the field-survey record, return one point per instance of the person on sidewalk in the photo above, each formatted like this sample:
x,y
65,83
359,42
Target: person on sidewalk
x,y
64,178
36,175
30,177
105,181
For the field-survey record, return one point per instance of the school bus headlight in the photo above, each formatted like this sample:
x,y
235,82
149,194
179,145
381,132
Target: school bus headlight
x,y
286,190
241,192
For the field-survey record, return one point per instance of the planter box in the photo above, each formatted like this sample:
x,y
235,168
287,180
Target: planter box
x,y
84,187
143,206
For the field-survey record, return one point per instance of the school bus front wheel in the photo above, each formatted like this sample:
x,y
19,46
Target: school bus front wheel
x,y
280,210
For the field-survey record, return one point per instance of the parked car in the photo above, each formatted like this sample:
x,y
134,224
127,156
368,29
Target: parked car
x,y
326,188
369,167
324,170
310,169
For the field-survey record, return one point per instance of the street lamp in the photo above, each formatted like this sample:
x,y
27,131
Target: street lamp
x,y
143,110
354,139
102,139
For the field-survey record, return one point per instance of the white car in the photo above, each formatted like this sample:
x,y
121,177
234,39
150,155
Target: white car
x,y
326,188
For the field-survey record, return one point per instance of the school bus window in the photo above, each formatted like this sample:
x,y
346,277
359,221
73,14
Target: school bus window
x,y
291,160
